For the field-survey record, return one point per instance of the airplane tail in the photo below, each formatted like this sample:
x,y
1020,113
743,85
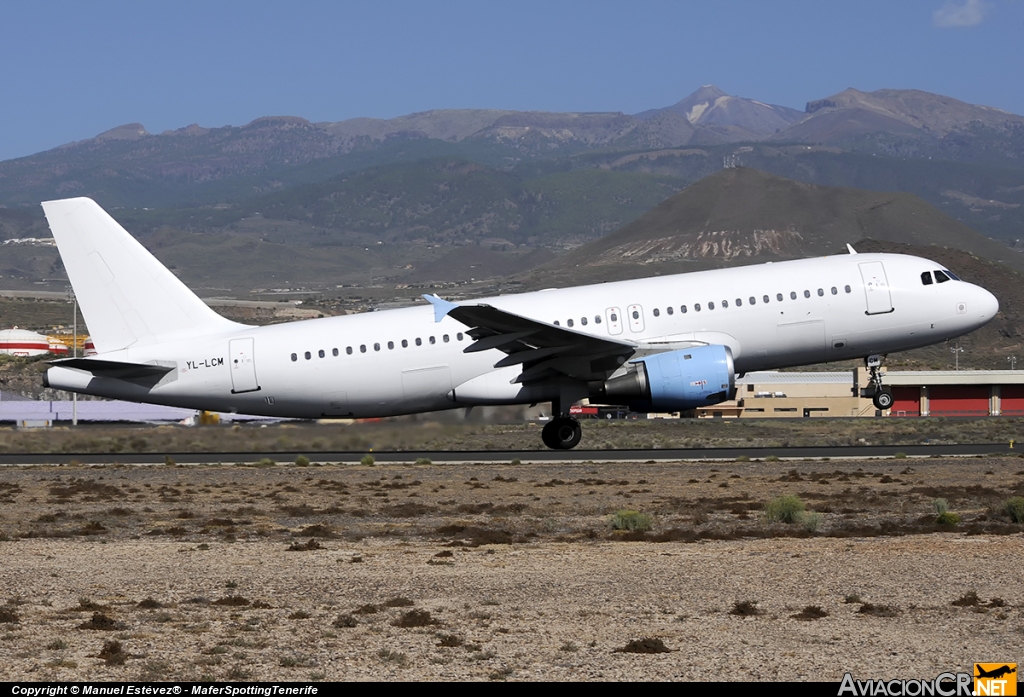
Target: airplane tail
x,y
127,296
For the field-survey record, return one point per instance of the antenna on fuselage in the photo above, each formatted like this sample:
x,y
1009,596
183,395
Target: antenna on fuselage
x,y
850,247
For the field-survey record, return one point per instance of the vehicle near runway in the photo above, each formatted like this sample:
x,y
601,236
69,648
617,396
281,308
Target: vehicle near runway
x,y
654,345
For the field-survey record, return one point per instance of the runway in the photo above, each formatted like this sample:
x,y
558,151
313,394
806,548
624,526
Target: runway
x,y
462,456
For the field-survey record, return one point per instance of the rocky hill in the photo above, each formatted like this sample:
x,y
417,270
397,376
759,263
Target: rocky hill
x,y
741,215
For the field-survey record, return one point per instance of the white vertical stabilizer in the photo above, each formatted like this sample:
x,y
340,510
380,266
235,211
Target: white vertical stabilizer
x,y
127,296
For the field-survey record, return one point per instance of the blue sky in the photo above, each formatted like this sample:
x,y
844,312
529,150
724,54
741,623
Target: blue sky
x,y
70,70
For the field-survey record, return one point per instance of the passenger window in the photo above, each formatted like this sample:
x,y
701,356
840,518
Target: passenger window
x,y
362,348
778,296
419,341
322,354
682,309
583,321
792,295
834,291
348,350
445,338
753,300
711,306
821,292
636,315
334,352
391,344
669,310
848,289
308,356
405,343
597,319
294,357
615,318
696,307
941,277
432,340
557,323
656,312
459,336
765,298
807,293
569,323
725,303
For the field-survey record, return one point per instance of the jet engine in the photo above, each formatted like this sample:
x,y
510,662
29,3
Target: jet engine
x,y
673,380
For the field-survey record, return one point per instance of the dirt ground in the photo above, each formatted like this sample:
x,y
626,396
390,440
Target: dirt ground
x,y
508,571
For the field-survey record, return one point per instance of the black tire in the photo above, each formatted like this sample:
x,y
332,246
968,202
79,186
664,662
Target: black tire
x,y
562,434
883,400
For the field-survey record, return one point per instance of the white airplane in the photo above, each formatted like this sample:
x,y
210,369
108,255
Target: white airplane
x,y
658,344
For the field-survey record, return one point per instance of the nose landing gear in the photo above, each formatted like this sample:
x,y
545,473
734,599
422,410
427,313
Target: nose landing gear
x,y
882,398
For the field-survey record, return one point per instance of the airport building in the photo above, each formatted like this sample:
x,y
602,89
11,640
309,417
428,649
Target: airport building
x,y
774,394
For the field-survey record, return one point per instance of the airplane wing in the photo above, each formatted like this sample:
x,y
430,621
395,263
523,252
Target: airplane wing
x,y
543,350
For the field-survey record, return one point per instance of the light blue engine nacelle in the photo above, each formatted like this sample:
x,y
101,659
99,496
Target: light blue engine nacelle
x,y
674,380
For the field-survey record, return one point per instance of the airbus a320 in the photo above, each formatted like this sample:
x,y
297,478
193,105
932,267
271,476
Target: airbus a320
x,y
660,344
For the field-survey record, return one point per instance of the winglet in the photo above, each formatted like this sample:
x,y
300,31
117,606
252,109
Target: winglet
x,y
851,249
441,307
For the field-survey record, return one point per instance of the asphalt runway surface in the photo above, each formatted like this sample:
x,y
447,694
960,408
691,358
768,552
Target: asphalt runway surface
x,y
578,455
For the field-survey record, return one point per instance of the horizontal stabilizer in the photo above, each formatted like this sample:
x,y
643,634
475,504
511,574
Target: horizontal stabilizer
x,y
114,369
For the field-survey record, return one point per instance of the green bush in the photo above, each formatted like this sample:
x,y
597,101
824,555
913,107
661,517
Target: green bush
x,y
1014,508
302,461
784,509
947,518
811,521
423,461
367,460
631,520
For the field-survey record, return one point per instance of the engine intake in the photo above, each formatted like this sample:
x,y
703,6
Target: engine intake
x,y
673,380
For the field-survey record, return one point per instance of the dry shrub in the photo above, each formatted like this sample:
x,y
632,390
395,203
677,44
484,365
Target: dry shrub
x,y
415,618
811,612
232,601
345,621
305,547
112,653
101,622
878,610
647,645
746,608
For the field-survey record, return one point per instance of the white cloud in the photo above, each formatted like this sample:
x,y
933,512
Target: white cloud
x,y
966,13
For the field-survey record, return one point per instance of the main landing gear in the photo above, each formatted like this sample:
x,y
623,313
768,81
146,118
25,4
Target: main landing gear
x,y
882,398
562,433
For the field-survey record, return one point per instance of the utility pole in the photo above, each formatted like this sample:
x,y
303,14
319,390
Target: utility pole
x,y
956,351
1013,362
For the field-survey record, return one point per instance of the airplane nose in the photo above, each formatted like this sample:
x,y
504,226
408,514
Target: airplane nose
x,y
987,304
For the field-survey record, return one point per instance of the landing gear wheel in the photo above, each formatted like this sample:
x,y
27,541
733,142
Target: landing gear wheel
x,y
883,400
562,433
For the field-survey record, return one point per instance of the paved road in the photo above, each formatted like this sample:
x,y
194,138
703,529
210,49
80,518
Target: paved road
x,y
835,453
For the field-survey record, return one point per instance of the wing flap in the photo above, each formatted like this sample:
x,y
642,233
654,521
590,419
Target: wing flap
x,y
544,350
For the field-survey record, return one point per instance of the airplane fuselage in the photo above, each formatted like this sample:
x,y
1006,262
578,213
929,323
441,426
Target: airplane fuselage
x,y
404,361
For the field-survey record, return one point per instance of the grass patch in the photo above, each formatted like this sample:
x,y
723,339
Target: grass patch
x,y
633,521
784,509
1014,507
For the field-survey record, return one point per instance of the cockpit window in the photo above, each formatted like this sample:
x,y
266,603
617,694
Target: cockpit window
x,y
951,274
926,278
941,277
